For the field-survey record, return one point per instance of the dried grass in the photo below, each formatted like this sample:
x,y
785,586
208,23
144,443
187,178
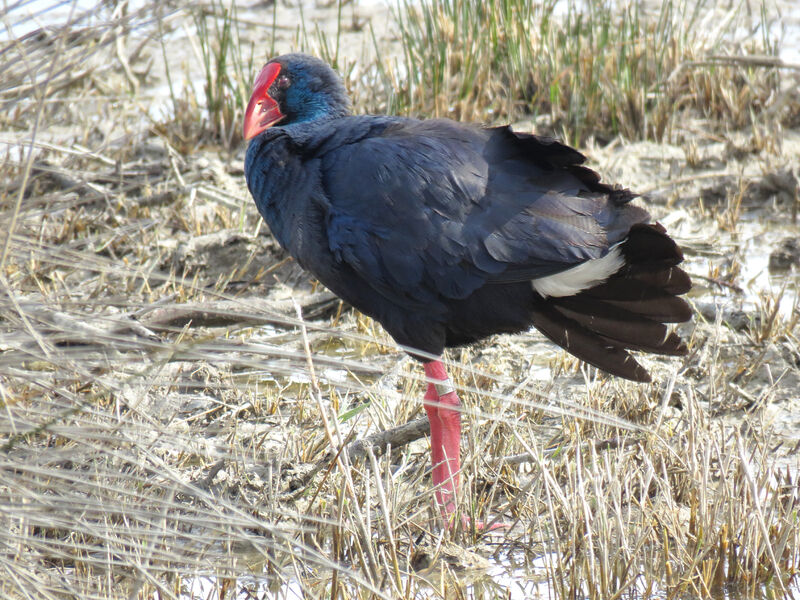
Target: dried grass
x,y
163,403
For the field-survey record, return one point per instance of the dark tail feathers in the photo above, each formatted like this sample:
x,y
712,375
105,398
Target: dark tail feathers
x,y
627,312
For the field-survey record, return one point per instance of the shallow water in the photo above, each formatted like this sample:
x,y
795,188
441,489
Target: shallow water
x,y
510,576
501,581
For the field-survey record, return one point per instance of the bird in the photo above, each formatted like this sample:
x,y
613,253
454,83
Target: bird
x,y
447,233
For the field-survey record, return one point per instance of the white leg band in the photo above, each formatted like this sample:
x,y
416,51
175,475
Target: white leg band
x,y
444,386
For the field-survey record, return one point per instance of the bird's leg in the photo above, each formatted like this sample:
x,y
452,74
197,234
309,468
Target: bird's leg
x,y
444,414
442,406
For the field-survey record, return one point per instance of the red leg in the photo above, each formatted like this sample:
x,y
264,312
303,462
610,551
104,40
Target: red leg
x,y
442,406
432,408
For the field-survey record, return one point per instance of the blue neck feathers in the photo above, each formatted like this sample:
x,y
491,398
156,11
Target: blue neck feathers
x,y
312,97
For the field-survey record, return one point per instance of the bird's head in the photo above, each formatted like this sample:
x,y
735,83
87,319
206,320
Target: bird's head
x,y
293,88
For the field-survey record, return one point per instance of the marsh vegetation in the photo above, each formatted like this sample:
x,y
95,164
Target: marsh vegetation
x,y
179,401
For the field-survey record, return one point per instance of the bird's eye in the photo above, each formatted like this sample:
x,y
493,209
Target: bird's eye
x,y
283,82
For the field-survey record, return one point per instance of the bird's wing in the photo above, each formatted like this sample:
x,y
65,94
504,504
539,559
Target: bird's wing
x,y
429,208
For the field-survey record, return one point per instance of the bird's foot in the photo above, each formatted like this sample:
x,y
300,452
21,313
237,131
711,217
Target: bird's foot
x,y
483,526
451,516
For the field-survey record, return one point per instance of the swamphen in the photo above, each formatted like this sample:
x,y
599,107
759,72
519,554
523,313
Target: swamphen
x,y
448,232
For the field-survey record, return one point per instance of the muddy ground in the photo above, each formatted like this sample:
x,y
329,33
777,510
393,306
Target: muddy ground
x,y
151,337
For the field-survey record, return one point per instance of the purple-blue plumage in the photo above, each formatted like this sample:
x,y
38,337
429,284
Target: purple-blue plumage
x,y
437,229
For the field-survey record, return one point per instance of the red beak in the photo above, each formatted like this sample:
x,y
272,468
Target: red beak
x,y
262,111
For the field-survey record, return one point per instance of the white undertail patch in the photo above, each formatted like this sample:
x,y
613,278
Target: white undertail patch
x,y
584,276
